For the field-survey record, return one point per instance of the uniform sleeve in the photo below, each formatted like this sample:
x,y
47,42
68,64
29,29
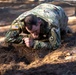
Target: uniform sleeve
x,y
54,40
12,36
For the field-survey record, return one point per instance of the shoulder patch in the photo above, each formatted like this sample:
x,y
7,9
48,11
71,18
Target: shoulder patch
x,y
15,27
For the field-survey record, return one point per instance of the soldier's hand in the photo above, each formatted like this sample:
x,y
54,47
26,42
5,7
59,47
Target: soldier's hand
x,y
28,42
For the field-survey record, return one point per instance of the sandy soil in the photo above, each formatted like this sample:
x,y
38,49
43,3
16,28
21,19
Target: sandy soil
x,y
19,60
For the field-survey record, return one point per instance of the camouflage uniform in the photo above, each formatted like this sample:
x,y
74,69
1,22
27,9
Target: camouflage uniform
x,y
56,20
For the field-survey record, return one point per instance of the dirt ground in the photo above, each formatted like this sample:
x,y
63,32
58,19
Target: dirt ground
x,y
19,60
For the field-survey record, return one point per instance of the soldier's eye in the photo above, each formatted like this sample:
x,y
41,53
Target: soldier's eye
x,y
29,27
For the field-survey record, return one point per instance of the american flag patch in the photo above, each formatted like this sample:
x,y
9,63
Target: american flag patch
x,y
15,27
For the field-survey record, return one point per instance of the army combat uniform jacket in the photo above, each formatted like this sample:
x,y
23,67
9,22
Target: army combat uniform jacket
x,y
56,20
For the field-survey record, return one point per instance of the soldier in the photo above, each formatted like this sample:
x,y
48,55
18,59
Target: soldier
x,y
39,27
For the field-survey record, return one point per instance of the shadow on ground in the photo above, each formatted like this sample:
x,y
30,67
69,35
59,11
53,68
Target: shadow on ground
x,y
70,40
45,69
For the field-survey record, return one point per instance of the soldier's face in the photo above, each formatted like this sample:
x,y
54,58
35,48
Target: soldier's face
x,y
34,31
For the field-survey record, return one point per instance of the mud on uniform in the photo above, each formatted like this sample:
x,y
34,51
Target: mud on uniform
x,y
54,19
